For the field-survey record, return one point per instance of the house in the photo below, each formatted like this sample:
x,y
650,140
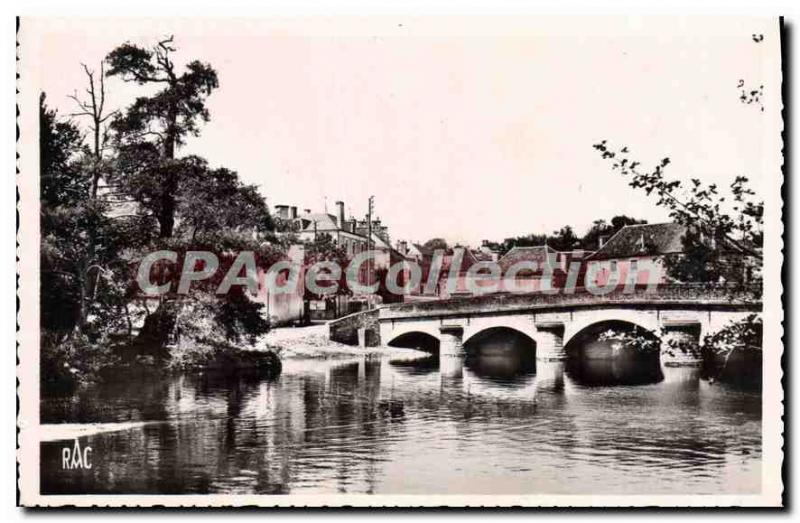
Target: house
x,y
487,252
354,237
311,226
527,266
636,254
283,308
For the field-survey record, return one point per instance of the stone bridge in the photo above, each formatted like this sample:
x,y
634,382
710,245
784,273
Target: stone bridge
x,y
682,312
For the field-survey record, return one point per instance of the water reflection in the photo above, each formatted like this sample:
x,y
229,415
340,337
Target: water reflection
x,y
502,356
621,369
507,424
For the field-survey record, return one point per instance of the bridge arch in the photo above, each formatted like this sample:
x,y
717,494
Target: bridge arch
x,y
517,323
581,321
487,333
420,340
590,333
501,351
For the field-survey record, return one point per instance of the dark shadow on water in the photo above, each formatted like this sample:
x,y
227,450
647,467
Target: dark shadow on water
x,y
509,368
142,398
595,360
742,371
503,356
417,340
417,367
621,369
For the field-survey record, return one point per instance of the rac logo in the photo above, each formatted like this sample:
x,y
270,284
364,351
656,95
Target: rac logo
x,y
76,458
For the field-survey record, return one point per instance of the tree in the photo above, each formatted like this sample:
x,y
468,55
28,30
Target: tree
x,y
181,203
720,228
63,218
563,239
601,228
324,249
530,240
214,199
155,126
78,245
95,109
95,234
724,236
435,244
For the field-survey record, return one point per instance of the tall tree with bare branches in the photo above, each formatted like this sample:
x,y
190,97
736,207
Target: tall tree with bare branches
x,y
94,107
154,126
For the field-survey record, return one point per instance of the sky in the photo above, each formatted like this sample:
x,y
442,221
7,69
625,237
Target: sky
x,y
463,128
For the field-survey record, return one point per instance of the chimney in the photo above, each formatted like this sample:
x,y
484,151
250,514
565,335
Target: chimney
x,y
282,211
340,213
293,212
484,243
601,240
353,225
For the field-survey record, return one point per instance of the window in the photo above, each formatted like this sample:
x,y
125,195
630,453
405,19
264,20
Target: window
x,y
634,266
613,265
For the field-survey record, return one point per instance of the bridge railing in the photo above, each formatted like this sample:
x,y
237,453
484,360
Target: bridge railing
x,y
677,293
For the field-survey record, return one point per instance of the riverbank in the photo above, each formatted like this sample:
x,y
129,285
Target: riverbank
x,y
312,342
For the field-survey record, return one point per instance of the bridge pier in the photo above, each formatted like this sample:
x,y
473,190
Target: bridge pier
x,y
451,352
451,368
451,341
550,376
550,341
680,345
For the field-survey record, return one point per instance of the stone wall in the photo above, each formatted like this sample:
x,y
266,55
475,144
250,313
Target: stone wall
x,y
345,330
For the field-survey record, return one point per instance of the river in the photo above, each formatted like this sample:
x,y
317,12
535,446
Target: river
x,y
497,423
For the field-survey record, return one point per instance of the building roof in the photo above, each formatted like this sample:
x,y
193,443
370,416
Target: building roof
x,y
541,255
481,256
423,250
652,239
324,222
576,255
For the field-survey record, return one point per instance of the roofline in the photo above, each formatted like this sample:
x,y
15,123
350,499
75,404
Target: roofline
x,y
516,247
600,250
594,255
335,230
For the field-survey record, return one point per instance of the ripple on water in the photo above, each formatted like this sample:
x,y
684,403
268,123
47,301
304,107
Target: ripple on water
x,y
367,426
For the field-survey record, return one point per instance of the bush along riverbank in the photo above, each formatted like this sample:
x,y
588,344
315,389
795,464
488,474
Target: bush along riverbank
x,y
172,341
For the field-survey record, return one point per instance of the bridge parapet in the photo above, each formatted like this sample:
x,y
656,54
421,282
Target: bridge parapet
x,y
360,328
690,295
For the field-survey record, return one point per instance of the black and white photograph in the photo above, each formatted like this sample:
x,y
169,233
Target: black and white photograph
x,y
403,261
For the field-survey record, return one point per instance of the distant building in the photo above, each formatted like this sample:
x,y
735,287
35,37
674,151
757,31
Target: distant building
x,y
311,226
354,237
283,308
527,266
636,252
420,253
362,227
487,253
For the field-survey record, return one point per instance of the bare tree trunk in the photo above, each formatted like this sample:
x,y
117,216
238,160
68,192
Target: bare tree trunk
x,y
94,108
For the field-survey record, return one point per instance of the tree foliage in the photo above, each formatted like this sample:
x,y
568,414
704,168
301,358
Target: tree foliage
x,y
436,244
152,128
106,203
565,239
